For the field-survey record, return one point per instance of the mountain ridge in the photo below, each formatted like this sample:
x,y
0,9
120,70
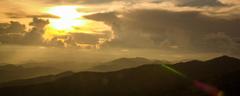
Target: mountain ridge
x,y
145,80
123,63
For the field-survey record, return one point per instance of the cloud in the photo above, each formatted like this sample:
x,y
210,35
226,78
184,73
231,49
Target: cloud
x,y
13,27
219,42
193,3
78,1
11,32
235,2
178,25
199,3
16,33
185,31
25,15
81,40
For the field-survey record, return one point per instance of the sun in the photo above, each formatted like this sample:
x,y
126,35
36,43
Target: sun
x,y
72,29
65,12
66,24
68,17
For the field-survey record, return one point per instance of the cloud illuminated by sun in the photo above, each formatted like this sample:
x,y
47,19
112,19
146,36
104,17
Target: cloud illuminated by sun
x,y
72,21
69,17
65,12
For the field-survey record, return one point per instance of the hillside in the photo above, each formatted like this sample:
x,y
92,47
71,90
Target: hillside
x,y
146,80
13,72
123,63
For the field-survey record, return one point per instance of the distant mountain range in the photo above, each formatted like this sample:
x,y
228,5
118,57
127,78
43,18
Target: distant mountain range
x,y
123,63
146,80
10,72
37,80
67,66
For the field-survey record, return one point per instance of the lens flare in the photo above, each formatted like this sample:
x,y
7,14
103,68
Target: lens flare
x,y
209,89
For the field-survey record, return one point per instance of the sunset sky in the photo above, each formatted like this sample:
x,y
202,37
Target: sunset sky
x,y
42,30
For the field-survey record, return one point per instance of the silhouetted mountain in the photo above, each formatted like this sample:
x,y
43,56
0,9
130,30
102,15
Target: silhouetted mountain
x,y
200,69
10,67
2,64
142,80
38,80
14,72
124,63
66,66
223,60
146,80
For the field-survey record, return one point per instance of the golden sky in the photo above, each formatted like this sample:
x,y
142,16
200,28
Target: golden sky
x,y
176,26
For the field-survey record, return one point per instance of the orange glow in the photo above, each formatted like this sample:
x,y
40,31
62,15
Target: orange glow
x,y
72,21
69,17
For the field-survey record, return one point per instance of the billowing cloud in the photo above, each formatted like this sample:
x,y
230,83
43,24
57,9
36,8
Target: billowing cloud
x,y
79,1
202,26
191,3
80,40
235,2
24,15
17,33
190,31
195,3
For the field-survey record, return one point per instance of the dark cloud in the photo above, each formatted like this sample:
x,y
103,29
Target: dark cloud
x,y
12,27
25,15
97,1
84,38
11,32
199,3
78,39
193,3
79,1
218,42
176,31
16,33
35,36
42,16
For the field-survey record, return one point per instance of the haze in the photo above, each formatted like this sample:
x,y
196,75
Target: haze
x,y
101,30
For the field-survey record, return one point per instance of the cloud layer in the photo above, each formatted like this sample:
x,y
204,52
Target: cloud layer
x,y
190,31
16,33
192,26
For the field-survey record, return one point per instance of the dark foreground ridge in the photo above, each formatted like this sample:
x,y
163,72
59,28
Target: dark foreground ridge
x,y
147,80
11,72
